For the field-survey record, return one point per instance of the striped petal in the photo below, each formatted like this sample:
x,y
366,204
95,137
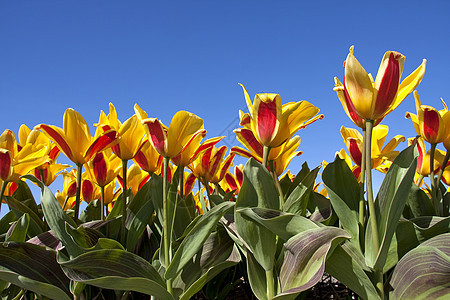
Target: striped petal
x,y
266,117
5,164
57,135
103,142
77,134
157,135
247,138
182,127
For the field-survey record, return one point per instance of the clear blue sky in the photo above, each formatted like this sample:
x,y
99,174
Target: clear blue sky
x,y
190,55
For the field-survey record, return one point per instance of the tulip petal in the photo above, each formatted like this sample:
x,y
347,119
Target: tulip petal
x,y
76,133
101,143
355,150
157,135
57,135
5,164
8,141
359,86
246,137
347,104
244,153
206,144
183,125
431,124
189,184
247,99
386,83
266,116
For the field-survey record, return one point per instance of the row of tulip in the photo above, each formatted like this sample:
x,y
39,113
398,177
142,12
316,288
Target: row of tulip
x,y
160,239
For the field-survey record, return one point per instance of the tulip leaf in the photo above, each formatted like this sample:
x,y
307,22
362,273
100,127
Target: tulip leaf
x,y
256,277
297,180
390,202
347,265
23,193
304,258
140,211
57,220
115,269
419,204
33,267
257,190
217,253
194,240
116,211
18,231
298,199
156,183
21,209
6,220
91,212
344,192
424,272
285,225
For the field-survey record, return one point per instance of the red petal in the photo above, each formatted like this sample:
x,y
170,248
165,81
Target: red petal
x,y
101,143
157,136
388,86
430,124
355,152
58,139
266,121
5,164
100,170
189,184
87,190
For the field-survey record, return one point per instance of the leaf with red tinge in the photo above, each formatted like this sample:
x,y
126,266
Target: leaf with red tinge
x,y
424,272
304,258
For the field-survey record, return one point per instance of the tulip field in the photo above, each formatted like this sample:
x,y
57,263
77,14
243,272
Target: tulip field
x,y
167,214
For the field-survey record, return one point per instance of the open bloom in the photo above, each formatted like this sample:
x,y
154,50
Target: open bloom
x,y
210,165
75,139
423,160
15,163
361,96
170,141
379,156
429,123
103,168
136,178
273,123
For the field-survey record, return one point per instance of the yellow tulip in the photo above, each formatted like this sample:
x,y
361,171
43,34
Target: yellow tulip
x,y
170,141
373,100
75,139
273,123
429,123
103,168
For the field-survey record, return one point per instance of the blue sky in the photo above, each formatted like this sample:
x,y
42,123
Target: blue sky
x,y
190,55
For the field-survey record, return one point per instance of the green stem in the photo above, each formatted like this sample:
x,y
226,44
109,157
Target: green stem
x,y
432,179
273,172
78,193
362,202
181,185
266,151
166,233
124,200
4,184
371,203
216,189
102,203
65,202
206,185
270,285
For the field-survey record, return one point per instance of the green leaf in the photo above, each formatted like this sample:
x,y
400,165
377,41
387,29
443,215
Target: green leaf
x,y
194,240
297,180
140,212
344,192
217,254
390,202
424,272
115,269
298,199
23,192
6,221
91,212
33,267
18,231
256,277
285,225
257,190
116,211
419,203
346,264
304,258
21,208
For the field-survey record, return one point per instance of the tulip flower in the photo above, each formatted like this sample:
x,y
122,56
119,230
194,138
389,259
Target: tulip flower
x,y
75,139
15,163
170,141
273,123
210,165
234,182
379,155
67,197
429,123
373,100
136,178
289,152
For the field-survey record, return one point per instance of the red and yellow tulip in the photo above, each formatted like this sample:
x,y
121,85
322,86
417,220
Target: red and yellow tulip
x,y
367,99
273,123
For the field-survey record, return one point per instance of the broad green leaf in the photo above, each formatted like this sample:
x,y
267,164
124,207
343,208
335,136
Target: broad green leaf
x,y
57,220
156,183
23,193
32,267
304,258
115,269
194,240
343,265
18,231
217,254
22,208
6,221
298,199
419,203
116,211
256,277
424,272
285,225
91,212
320,206
390,203
46,239
84,236
257,190
140,212
297,180
344,192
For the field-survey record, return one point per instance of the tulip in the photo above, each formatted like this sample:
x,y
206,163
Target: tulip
x,y
148,159
289,152
273,123
234,182
373,100
136,178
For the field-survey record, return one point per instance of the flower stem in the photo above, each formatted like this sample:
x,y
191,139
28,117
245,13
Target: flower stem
x,y
362,202
166,233
270,285
432,179
273,172
124,200
78,193
371,203
65,202
4,184
266,151
181,184
102,203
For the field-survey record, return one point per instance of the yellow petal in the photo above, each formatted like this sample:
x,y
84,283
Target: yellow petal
x,y
247,99
24,131
182,127
77,134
